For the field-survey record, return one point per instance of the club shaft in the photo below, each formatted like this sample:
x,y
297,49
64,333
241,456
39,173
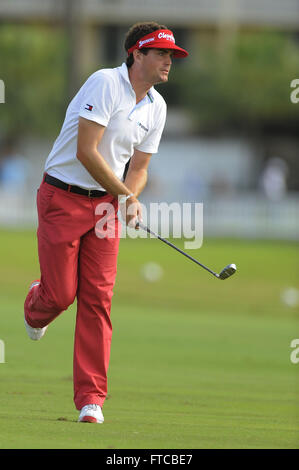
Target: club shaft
x,y
176,248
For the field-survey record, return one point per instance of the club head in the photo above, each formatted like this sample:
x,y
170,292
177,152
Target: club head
x,y
228,271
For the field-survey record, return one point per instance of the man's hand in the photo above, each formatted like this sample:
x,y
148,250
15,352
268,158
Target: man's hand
x,y
131,211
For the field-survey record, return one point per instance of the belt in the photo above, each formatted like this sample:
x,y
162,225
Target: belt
x,y
73,189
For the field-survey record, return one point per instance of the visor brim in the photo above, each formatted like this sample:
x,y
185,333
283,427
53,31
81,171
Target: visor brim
x,y
178,52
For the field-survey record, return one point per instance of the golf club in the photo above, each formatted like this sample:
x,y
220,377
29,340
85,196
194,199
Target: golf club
x,y
226,272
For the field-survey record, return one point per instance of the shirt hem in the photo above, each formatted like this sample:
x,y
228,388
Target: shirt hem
x,y
94,119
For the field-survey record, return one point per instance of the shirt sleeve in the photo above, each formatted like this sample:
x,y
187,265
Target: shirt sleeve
x,y
97,99
150,143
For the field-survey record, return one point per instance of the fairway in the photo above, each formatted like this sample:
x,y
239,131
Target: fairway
x,y
195,362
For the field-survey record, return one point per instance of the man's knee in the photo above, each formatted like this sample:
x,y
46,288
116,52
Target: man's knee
x,y
66,300
62,300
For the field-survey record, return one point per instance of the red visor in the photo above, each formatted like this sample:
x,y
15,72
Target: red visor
x,y
160,39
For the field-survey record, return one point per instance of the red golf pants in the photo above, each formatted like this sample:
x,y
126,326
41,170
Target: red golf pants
x,y
76,262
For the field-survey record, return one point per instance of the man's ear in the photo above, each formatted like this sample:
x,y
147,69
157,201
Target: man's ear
x,y
137,55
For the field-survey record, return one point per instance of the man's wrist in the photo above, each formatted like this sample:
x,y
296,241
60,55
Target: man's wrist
x,y
123,199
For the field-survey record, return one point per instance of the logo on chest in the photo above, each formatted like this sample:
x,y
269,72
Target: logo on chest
x,y
142,126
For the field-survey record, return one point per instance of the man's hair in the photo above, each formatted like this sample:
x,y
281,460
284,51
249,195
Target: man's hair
x,y
137,31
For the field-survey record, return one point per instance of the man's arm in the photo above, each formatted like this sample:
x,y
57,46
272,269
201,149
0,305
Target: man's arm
x,y
136,177
90,134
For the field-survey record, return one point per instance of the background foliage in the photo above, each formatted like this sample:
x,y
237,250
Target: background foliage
x,y
237,83
34,77
242,86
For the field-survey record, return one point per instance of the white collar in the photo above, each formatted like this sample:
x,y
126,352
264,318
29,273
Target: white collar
x,y
123,70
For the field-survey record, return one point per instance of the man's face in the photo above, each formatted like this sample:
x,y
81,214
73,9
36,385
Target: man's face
x,y
156,65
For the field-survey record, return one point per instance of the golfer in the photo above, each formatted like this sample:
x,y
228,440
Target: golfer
x,y
116,117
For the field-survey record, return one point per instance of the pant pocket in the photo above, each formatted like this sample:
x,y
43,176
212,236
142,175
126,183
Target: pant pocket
x,y
45,195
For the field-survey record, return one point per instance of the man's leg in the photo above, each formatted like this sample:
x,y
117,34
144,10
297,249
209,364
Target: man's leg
x,y
63,218
97,272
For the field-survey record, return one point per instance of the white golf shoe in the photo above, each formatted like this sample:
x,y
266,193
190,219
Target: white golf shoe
x,y
91,414
34,333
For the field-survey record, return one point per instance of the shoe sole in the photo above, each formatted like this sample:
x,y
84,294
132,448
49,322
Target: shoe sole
x,y
89,419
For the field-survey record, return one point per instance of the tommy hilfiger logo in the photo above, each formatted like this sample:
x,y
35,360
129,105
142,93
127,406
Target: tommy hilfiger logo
x,y
88,107
142,126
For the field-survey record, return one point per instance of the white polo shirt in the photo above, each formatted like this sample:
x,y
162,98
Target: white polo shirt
x,y
108,98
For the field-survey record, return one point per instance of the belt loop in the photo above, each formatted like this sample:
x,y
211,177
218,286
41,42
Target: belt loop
x,y
69,188
89,192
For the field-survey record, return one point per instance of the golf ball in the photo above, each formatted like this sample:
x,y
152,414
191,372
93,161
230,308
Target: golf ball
x,y
152,272
290,296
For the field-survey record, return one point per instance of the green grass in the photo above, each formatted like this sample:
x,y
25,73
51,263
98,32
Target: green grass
x,y
195,362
